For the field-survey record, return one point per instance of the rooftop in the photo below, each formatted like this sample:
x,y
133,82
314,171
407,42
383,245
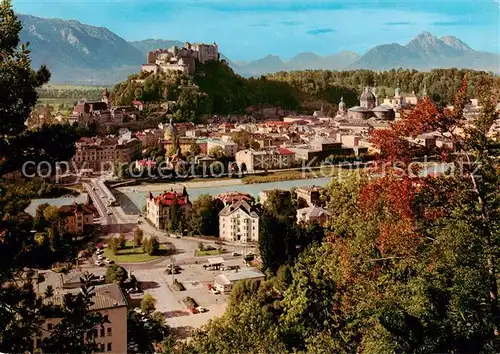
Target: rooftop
x,y
241,274
106,297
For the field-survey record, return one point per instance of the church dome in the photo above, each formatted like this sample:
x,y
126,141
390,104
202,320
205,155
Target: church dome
x,y
367,95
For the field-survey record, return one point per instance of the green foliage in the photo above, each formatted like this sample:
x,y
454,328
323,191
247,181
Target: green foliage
x,y
151,245
113,244
441,84
204,216
18,82
122,240
148,303
116,274
138,236
71,334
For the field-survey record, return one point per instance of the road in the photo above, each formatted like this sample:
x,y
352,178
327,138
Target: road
x,y
114,220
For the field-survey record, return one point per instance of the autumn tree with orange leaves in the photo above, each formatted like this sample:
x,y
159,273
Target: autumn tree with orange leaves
x,y
409,263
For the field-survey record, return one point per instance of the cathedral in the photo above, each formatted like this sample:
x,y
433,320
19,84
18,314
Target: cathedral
x,y
371,107
174,144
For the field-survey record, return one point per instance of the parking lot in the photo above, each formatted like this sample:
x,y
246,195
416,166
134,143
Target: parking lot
x,y
170,302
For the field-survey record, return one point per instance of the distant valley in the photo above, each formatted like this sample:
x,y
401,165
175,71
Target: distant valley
x,y
83,54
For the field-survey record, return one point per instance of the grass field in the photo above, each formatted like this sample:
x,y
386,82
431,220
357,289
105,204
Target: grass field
x,y
131,254
328,171
199,253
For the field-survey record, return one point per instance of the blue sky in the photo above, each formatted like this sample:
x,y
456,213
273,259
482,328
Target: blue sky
x,y
247,30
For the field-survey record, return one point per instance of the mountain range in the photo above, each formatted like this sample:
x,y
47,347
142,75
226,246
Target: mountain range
x,y
84,54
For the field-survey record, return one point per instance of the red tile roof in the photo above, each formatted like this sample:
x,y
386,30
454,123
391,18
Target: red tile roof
x,y
284,151
169,198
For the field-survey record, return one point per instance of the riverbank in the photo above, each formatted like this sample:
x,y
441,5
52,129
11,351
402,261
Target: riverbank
x,y
205,183
264,177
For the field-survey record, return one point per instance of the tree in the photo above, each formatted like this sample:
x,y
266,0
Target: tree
x,y
138,235
204,216
18,81
195,149
51,214
116,274
151,245
216,152
113,245
148,303
122,240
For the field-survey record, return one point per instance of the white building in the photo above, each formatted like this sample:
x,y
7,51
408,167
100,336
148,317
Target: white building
x,y
251,160
229,148
239,222
225,282
312,214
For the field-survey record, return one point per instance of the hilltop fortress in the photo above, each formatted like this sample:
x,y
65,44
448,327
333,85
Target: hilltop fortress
x,y
180,59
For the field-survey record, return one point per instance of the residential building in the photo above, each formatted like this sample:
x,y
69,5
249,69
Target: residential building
x,y
312,214
102,153
159,209
310,195
225,282
75,217
229,198
229,148
145,164
102,112
110,302
252,160
239,222
149,138
264,194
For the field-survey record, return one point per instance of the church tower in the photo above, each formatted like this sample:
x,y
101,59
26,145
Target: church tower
x,y
106,98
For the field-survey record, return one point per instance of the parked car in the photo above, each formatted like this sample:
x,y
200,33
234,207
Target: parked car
x,y
99,263
138,310
201,309
101,257
110,213
99,251
215,291
109,261
234,254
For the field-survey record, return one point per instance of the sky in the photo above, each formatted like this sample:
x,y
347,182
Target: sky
x,y
247,30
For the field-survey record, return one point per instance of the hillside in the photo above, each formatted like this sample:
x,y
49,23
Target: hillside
x,y
76,52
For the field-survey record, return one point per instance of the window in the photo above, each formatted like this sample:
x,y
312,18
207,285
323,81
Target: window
x,y
101,347
109,347
108,331
102,332
50,326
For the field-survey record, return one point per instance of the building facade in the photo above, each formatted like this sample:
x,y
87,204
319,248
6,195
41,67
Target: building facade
x,y
159,209
110,302
239,222
75,217
180,59
313,214
102,153
252,160
310,195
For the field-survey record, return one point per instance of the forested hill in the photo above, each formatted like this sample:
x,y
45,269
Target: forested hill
x,y
441,84
221,91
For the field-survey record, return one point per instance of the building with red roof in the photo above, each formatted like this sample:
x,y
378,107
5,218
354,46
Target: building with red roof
x,y
159,209
229,198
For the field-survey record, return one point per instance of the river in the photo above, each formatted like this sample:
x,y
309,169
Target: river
x,y
134,201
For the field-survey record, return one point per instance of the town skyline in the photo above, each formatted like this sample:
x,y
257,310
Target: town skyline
x,y
284,28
